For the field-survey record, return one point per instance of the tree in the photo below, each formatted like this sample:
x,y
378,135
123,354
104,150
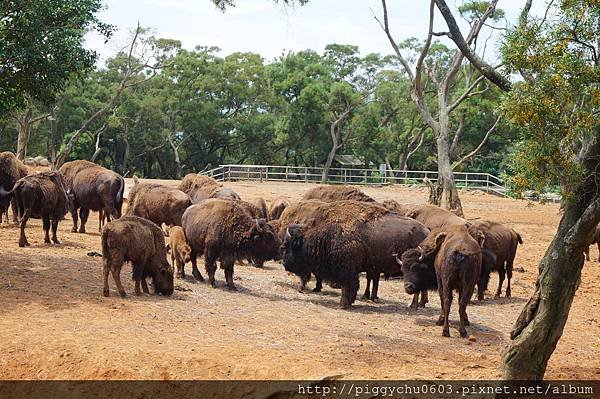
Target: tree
x,y
437,117
41,47
556,106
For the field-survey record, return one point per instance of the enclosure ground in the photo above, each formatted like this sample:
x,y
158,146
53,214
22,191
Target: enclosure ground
x,y
55,323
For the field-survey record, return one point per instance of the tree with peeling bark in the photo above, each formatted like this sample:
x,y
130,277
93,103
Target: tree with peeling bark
x,y
438,116
557,106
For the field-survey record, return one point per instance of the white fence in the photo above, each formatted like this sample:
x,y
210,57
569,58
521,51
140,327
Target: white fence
x,y
471,180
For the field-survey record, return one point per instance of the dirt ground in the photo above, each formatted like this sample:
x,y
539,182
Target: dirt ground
x,y
55,323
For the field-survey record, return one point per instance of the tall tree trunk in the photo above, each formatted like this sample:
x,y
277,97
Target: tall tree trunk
x,y
331,156
125,163
53,135
24,122
445,186
540,324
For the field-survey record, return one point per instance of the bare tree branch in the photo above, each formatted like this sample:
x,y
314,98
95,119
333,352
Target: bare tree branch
x,y
468,93
455,34
478,148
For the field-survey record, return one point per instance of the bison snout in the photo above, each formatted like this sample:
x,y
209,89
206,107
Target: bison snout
x,y
410,288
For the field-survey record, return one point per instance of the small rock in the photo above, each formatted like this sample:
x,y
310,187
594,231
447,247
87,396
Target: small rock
x,y
472,339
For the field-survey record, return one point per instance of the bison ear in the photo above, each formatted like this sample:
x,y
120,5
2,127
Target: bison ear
x,y
439,239
480,239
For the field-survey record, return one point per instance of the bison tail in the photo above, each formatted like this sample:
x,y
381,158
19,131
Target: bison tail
x,y
105,243
122,189
519,239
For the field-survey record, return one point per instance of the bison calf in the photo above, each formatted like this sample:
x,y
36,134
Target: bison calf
x,y
142,243
223,230
179,248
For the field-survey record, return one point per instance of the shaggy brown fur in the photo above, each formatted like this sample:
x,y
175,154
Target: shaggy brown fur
x,y
401,209
501,242
277,208
157,203
456,258
336,241
595,240
179,248
41,196
336,193
223,230
262,206
194,180
433,216
142,243
92,187
11,170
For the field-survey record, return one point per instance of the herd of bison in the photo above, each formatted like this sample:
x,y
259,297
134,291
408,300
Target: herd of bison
x,y
333,233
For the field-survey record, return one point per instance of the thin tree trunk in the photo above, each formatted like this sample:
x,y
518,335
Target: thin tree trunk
x,y
54,135
24,128
331,156
125,164
176,153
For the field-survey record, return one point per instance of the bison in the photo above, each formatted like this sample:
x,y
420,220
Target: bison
x,y
453,256
223,230
500,249
594,240
338,240
192,181
277,208
11,170
157,203
179,248
142,243
41,196
433,216
201,187
92,187
262,206
327,193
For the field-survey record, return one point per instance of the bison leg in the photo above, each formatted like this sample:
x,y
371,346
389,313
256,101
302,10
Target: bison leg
x,y
509,270
367,293
598,251
83,215
54,228
210,265
195,272
105,271
501,275
75,219
303,281
463,301
349,291
424,298
46,224
318,284
117,277
374,296
22,239
442,317
415,301
15,211
228,267
446,304
145,286
586,251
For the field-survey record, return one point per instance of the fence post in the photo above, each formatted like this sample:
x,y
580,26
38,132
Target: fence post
x,y
286,173
466,180
487,182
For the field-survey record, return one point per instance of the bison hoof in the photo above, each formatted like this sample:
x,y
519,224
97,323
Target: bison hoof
x,y
74,230
497,295
105,293
197,275
413,306
422,304
463,333
47,241
508,294
376,300
123,294
56,242
317,289
23,244
440,321
445,333
82,231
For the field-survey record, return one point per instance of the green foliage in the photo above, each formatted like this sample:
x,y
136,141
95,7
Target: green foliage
x,y
556,107
41,46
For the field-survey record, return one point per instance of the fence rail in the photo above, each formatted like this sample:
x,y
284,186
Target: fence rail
x,y
472,180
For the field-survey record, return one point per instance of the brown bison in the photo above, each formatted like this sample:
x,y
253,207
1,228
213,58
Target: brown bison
x,y
595,240
277,208
401,209
92,187
262,206
448,259
11,170
433,216
157,203
223,230
328,193
41,196
342,239
201,187
179,248
500,249
141,242
192,181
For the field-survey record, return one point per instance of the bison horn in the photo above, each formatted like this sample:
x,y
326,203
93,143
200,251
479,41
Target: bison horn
x,y
421,255
287,234
397,259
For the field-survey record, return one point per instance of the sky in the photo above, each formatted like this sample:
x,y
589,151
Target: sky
x,y
262,27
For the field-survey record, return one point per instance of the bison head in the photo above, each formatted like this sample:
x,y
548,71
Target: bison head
x,y
418,275
263,241
292,251
162,279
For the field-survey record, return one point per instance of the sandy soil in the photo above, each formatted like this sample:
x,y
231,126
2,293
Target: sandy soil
x,y
55,323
